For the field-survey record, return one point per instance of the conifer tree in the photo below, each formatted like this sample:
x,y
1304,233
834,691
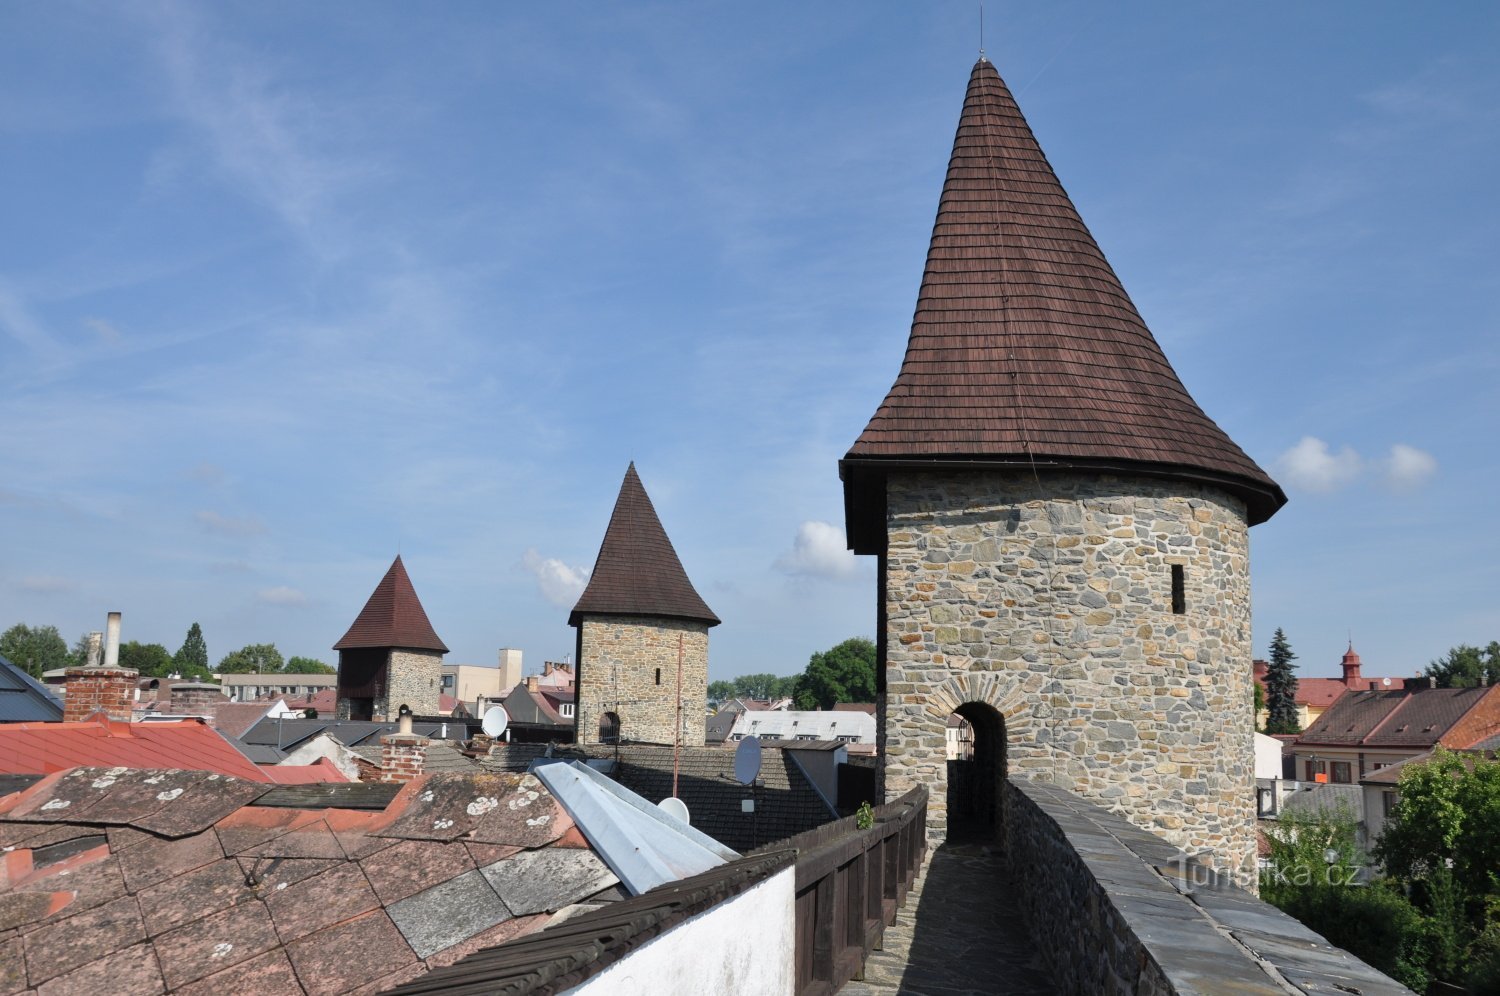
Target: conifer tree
x,y
192,657
1281,687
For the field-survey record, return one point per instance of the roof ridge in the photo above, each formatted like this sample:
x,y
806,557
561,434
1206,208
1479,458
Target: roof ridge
x,y
392,617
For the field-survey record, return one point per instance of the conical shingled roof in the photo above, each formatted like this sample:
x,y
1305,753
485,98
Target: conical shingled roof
x,y
638,573
1025,345
393,617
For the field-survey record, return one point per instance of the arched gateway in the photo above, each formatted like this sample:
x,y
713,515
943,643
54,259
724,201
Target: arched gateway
x,y
1061,532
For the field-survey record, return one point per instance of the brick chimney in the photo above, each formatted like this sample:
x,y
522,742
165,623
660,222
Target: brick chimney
x,y
109,688
194,698
531,683
1351,668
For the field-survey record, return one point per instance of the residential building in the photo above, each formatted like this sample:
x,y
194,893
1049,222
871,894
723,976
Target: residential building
x,y
248,687
1315,695
789,724
1366,731
478,686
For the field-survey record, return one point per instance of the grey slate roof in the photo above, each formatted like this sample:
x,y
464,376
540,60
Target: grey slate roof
x,y
286,734
23,699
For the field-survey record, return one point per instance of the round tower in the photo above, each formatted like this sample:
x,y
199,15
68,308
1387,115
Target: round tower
x,y
642,634
1061,532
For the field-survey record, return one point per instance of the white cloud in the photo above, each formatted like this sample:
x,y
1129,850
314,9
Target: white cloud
x,y
819,551
229,525
559,583
281,595
1311,466
105,330
1408,467
45,583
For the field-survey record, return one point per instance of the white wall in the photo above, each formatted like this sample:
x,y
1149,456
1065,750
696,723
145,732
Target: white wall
x,y
743,945
1267,756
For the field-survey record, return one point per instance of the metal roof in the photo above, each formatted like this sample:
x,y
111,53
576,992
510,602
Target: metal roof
x,y
23,699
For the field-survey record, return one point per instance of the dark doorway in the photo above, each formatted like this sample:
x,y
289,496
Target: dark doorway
x,y
609,728
976,773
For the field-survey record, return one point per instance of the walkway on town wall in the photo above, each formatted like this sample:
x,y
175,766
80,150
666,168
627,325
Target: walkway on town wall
x,y
961,931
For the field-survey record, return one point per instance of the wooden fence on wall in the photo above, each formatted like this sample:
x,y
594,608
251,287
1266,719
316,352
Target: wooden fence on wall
x,y
850,882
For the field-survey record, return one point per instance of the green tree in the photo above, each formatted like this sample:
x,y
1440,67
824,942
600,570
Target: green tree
x,y
79,655
1281,687
1260,701
152,660
720,692
308,665
1466,667
1448,817
192,657
34,649
844,673
257,658
755,686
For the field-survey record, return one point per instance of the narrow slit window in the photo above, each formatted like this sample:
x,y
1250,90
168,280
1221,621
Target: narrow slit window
x,y
1179,590
658,676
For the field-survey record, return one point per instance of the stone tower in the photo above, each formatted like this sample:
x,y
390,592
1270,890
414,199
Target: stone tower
x,y
641,625
1061,532
390,657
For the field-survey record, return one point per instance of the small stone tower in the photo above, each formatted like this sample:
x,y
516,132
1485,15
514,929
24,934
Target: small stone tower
x,y
1061,532
390,657
642,634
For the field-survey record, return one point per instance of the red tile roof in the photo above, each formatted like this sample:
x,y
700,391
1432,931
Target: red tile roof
x,y
638,573
1024,346
184,885
43,748
393,617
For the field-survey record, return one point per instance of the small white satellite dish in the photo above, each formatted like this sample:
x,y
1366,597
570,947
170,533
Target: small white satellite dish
x,y
1385,681
675,808
495,721
747,760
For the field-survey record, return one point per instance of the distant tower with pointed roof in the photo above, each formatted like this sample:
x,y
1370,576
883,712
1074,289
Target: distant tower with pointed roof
x,y
391,656
1061,532
640,622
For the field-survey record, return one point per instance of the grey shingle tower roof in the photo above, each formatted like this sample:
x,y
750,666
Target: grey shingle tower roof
x,y
638,573
1024,346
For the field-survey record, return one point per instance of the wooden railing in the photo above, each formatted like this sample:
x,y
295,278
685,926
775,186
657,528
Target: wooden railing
x,y
850,882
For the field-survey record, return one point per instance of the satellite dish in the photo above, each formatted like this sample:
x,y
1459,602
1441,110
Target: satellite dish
x,y
747,760
675,808
494,722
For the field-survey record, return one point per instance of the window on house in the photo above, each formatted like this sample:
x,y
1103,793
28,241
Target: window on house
x,y
1388,801
566,710
658,676
1179,589
1316,768
1341,772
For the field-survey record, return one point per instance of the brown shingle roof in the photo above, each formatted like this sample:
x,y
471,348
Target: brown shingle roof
x,y
393,617
638,573
1025,345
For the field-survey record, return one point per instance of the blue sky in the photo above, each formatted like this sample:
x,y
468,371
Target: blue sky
x,y
287,288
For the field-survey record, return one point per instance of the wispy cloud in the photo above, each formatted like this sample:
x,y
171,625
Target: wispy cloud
x,y
17,321
45,583
819,550
229,525
281,595
1407,467
208,473
559,583
103,328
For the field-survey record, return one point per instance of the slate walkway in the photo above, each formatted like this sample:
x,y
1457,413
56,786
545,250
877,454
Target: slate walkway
x,y
958,933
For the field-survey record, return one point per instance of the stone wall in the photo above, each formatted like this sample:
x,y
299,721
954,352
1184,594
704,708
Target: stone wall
x,y
1114,909
628,665
413,678
1053,605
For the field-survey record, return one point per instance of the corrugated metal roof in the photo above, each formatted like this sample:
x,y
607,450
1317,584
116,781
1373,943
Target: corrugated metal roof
x,y
23,699
393,617
1025,346
637,572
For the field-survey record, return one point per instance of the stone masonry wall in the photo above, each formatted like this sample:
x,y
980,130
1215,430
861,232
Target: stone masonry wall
x,y
619,660
413,678
1053,605
1114,909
